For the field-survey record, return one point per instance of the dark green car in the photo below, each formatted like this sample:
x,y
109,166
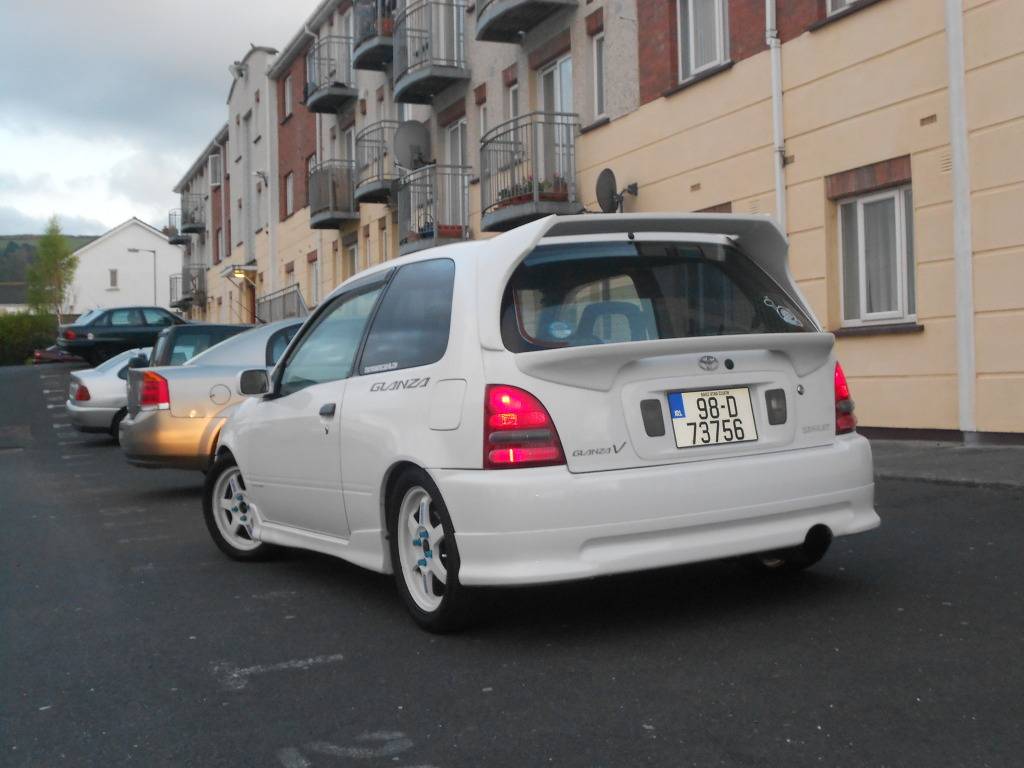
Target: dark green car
x,y
103,333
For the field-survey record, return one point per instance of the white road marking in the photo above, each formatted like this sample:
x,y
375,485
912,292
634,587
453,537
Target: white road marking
x,y
117,511
394,742
292,758
140,539
236,678
62,425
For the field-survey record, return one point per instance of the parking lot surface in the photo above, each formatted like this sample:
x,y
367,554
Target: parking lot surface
x,y
126,638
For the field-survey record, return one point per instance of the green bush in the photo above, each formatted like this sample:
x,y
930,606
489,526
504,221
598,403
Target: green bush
x,y
22,333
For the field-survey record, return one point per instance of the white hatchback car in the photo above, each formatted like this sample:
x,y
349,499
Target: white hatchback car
x,y
578,397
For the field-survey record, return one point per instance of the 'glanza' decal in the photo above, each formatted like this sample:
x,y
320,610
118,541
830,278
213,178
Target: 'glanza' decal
x,y
391,386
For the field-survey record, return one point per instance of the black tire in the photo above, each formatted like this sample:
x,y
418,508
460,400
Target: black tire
x,y
456,608
795,559
115,425
223,465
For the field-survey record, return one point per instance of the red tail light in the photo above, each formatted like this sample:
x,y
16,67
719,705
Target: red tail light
x,y
845,420
518,431
154,392
82,393
70,335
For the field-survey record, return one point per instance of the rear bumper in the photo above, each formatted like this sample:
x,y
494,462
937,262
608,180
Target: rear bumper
x,y
158,440
86,419
532,526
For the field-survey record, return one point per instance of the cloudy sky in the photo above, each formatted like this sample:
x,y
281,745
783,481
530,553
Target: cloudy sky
x,y
104,104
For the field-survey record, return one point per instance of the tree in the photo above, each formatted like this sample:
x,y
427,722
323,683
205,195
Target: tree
x,y
49,277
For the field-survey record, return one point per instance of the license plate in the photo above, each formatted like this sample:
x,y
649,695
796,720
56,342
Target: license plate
x,y
712,417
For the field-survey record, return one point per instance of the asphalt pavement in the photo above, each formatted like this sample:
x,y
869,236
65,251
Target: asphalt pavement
x,y
126,638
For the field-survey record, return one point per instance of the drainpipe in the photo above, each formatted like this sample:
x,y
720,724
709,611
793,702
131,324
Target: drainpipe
x,y
778,138
961,188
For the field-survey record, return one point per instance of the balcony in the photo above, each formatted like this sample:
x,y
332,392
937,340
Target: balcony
x,y
176,291
504,21
281,304
430,52
332,194
191,287
528,170
174,234
433,207
329,83
193,213
375,166
375,23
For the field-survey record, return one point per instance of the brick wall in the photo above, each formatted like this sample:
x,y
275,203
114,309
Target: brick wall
x,y
296,136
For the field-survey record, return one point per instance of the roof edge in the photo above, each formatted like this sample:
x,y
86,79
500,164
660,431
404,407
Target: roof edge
x,y
296,44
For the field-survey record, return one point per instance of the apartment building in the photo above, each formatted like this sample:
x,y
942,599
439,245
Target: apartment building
x,y
886,136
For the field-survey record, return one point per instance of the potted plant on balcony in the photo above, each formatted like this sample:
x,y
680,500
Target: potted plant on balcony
x,y
449,231
385,26
557,190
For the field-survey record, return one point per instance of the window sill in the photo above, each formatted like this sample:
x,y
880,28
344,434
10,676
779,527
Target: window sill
x,y
699,77
883,329
841,14
113,289
595,125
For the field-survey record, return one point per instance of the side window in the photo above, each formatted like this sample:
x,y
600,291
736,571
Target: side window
x,y
278,343
327,351
125,317
411,327
102,319
156,317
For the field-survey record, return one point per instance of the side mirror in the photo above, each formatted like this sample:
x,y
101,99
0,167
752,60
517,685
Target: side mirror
x,y
139,361
253,382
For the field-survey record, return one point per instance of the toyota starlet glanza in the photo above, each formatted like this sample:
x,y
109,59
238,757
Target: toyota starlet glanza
x,y
578,397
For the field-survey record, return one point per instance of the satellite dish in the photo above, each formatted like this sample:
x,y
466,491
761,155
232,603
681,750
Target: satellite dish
x,y
411,144
608,196
607,191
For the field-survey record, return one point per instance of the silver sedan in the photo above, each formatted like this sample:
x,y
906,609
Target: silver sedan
x,y
98,398
175,413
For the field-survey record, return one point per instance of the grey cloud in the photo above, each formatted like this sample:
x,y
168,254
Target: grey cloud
x,y
14,222
12,183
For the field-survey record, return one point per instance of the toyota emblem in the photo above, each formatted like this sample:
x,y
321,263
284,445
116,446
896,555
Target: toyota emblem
x,y
708,362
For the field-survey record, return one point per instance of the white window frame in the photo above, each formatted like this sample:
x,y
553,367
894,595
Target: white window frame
x,y
598,69
483,119
289,193
835,6
512,101
352,257
288,106
721,38
902,312
216,169
314,281
562,102
112,276
348,139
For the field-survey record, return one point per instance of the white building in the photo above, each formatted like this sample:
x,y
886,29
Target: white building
x,y
131,264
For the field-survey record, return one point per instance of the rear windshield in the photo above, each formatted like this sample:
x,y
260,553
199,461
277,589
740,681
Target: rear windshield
x,y
88,317
179,346
602,293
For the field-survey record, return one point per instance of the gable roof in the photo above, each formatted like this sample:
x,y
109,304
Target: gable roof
x,y
133,221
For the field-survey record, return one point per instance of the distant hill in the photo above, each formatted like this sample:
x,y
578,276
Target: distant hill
x,y
18,251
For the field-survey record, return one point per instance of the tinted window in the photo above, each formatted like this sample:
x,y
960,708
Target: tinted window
x,y
88,317
157,317
178,347
278,343
599,293
411,327
125,317
327,351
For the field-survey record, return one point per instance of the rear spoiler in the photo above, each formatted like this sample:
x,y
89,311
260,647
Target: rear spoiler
x,y
597,366
759,237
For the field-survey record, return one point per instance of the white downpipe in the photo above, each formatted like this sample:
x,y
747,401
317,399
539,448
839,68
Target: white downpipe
x,y
778,137
961,188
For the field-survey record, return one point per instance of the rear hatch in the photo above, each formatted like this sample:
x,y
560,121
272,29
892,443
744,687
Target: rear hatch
x,y
661,350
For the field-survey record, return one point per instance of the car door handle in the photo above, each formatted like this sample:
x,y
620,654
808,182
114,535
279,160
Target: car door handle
x,y
327,410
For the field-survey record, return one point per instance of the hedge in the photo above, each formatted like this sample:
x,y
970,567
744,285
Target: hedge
x,y
22,333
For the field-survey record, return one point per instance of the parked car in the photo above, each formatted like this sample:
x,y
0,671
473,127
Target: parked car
x,y
180,343
578,397
175,414
98,397
103,333
54,354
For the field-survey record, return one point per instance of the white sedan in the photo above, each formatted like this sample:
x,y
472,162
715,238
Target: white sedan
x,y
581,396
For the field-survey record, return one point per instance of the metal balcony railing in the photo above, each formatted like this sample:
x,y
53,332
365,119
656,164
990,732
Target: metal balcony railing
x,y
429,47
433,206
174,234
374,28
505,21
528,169
329,79
375,164
332,194
193,212
175,290
193,283
278,305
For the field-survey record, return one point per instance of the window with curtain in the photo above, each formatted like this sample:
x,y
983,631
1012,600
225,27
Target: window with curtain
x,y
703,36
876,234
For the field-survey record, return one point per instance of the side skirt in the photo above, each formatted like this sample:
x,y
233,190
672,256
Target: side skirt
x,y
363,548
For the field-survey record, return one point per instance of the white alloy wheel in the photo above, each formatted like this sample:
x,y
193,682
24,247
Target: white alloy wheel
x,y
422,550
232,511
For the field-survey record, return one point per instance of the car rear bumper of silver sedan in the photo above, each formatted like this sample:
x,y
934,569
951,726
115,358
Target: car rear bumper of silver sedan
x,y
158,440
91,418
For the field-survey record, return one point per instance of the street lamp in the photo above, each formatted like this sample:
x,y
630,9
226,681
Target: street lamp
x,y
148,250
